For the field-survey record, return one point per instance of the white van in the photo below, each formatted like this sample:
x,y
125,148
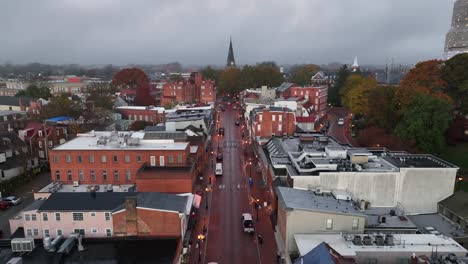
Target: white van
x,y
219,169
247,223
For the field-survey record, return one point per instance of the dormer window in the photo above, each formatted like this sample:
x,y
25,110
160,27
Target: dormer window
x,y
40,133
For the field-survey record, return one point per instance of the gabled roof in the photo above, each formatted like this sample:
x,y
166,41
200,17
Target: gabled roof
x,y
318,76
284,86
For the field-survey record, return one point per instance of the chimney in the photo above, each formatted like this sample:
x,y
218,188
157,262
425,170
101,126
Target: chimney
x,y
131,215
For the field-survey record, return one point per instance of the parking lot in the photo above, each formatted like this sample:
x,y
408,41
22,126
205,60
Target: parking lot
x,y
26,193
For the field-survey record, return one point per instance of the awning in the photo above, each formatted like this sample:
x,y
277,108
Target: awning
x,y
196,201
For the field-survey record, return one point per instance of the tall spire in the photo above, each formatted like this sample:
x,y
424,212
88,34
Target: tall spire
x,y
355,66
231,62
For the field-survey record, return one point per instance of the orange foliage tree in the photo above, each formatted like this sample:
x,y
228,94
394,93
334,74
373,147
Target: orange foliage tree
x,y
135,79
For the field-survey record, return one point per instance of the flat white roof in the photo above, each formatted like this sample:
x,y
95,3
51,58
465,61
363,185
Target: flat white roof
x,y
115,141
403,243
157,109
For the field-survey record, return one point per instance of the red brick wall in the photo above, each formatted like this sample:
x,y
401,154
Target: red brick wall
x,y
268,127
143,115
319,92
121,165
166,185
208,94
149,223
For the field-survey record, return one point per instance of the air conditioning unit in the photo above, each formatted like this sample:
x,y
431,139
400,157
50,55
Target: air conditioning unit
x,y
22,244
76,183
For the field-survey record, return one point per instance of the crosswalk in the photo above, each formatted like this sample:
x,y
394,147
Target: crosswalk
x,y
231,186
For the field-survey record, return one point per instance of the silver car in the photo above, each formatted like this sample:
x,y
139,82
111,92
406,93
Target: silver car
x,y
13,200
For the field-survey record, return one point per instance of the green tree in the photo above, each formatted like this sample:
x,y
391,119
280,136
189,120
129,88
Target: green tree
x,y
36,90
455,73
381,111
61,106
425,121
101,94
264,73
301,74
229,81
176,78
334,97
209,73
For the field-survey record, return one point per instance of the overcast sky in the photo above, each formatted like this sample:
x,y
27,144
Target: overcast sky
x,y
197,31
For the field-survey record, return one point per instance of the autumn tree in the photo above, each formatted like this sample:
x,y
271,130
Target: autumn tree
x,y
135,79
265,73
356,91
101,94
229,81
455,73
334,96
61,105
209,73
382,108
425,121
301,75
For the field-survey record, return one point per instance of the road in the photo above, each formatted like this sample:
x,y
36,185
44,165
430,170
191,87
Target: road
x,y
340,132
25,192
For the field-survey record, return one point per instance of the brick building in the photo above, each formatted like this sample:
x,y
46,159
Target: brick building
x,y
193,90
317,96
40,138
266,122
148,114
118,158
12,120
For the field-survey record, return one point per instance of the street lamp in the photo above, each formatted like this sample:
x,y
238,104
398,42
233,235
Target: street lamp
x,y
207,190
200,237
460,179
257,206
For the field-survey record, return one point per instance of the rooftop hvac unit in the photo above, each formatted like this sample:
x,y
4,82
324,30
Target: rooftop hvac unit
x,y
379,240
133,141
367,240
22,244
76,183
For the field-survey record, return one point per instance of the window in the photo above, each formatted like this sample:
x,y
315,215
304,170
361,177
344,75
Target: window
x,y
273,117
33,217
77,216
57,175
35,232
280,118
91,158
50,143
56,158
59,232
259,127
57,216
68,158
92,213
93,175
40,143
127,158
329,224
116,159
138,158
46,233
280,128
41,154
116,175
141,118
260,118
171,159
103,158
69,175
179,158
27,217
28,232
93,230
79,159
40,133
104,175
355,224
128,175
108,232
107,216
79,231
45,217
58,132
161,161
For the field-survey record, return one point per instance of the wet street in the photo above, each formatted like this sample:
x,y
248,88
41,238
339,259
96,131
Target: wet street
x,y
225,241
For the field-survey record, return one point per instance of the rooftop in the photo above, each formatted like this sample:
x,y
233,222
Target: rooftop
x,y
11,112
160,110
106,140
59,187
394,219
298,199
113,201
436,224
457,203
409,243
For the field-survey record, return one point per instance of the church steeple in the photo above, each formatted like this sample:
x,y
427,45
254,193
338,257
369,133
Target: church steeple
x,y
231,62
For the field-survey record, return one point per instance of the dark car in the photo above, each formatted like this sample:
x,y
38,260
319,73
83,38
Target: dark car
x,y
223,109
221,131
4,205
219,156
237,123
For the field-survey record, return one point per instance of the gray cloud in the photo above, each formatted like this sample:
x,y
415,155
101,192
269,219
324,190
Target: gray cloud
x,y
197,32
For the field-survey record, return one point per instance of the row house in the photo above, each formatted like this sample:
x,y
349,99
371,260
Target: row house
x,y
14,156
41,138
266,122
12,120
118,158
105,215
70,84
17,103
317,96
148,114
195,89
323,78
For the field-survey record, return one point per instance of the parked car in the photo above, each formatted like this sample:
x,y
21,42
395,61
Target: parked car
x,y
13,200
219,157
4,205
237,123
221,131
235,108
